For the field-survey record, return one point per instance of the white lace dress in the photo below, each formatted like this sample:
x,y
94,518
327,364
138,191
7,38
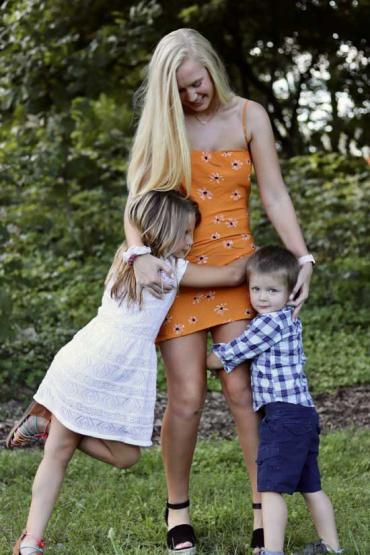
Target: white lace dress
x,y
103,382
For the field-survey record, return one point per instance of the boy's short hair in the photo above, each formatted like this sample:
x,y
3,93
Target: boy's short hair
x,y
272,259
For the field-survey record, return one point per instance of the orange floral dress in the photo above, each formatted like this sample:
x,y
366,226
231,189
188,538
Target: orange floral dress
x,y
221,188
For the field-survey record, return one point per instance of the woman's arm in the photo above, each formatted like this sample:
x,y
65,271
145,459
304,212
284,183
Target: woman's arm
x,y
146,267
274,195
231,275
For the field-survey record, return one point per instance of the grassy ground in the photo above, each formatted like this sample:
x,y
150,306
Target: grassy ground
x,y
106,511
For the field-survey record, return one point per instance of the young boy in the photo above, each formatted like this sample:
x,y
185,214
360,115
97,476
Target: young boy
x,y
289,431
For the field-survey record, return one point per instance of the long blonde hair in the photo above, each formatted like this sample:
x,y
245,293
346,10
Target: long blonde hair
x,y
160,156
162,218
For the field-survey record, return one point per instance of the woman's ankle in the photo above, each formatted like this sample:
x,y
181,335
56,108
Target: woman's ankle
x,y
178,516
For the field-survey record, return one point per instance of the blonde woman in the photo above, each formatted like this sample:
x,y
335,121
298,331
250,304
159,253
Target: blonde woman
x,y
195,131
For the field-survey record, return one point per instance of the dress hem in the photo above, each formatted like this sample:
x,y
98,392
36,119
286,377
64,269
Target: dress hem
x,y
195,330
88,433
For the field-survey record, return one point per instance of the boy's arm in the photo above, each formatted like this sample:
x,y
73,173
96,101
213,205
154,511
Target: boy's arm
x,y
260,336
231,275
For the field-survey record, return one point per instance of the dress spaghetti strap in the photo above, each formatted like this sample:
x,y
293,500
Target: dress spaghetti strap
x,y
244,122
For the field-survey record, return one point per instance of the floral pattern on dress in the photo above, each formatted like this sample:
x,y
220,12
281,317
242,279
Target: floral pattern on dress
x,y
228,244
218,219
178,328
193,320
235,195
236,164
215,236
226,153
206,157
205,194
202,259
197,298
232,222
221,308
216,177
210,295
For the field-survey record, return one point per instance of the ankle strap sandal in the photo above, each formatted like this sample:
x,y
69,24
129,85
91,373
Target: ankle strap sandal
x,y
28,429
32,549
257,539
181,533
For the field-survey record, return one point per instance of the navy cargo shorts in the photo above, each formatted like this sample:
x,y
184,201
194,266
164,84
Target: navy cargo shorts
x,y
288,450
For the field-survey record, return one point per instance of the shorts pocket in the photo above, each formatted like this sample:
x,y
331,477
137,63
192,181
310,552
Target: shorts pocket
x,y
298,428
267,453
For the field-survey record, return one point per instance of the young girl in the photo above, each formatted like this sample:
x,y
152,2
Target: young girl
x,y
100,388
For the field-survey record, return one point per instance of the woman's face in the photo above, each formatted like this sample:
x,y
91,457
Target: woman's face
x,y
195,86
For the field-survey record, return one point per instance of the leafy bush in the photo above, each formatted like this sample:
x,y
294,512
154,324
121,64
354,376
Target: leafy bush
x,y
58,245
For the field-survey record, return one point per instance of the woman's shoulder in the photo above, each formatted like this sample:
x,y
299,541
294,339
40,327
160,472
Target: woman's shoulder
x,y
256,114
253,115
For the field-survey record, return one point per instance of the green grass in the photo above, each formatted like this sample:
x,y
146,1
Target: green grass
x,y
98,501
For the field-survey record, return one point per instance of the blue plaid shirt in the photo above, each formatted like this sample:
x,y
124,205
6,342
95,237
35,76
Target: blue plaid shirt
x,y
274,343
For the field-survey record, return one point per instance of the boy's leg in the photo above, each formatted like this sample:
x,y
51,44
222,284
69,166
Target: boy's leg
x,y
323,517
275,516
59,448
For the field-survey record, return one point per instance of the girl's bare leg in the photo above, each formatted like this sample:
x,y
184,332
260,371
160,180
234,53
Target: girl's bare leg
x,y
59,448
184,359
121,455
236,387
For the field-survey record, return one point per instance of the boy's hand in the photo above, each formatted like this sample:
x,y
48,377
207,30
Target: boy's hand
x,y
213,362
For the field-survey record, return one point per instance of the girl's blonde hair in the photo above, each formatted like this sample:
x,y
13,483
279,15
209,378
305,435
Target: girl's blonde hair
x,y
160,156
162,218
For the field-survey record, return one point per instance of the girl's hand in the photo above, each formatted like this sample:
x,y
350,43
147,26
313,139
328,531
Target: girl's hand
x,y
147,270
301,288
239,267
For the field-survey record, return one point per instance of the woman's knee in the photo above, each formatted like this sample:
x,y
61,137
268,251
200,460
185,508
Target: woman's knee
x,y
186,403
237,391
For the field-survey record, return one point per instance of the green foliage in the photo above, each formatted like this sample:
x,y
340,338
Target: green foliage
x,y
67,76
57,246
123,511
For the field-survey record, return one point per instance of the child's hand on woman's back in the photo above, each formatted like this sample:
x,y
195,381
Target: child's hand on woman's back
x,y
239,266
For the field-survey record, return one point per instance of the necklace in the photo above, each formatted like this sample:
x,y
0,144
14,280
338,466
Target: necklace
x,y
205,121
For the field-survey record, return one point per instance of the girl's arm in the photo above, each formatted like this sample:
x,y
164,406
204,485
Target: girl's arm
x,y
146,267
231,275
274,195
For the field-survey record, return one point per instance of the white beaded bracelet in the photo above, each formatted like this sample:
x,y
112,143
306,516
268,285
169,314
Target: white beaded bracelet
x,y
306,258
132,253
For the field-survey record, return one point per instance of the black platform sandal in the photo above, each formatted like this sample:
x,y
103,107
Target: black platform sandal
x,y
181,533
257,539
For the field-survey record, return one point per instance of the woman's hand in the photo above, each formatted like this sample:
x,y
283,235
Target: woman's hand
x,y
148,270
301,288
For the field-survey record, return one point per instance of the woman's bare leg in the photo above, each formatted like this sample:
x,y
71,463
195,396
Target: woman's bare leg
x,y
184,359
236,387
